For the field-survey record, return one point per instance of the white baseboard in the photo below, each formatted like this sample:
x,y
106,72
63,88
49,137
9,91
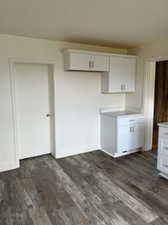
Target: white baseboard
x,y
63,155
8,166
163,175
116,155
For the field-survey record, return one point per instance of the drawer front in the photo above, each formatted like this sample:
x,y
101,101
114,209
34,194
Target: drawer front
x,y
129,121
163,163
163,132
163,146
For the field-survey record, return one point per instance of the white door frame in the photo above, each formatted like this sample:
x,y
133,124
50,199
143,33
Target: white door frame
x,y
12,61
148,97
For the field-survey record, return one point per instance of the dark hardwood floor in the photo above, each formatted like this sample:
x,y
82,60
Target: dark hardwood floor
x,y
88,189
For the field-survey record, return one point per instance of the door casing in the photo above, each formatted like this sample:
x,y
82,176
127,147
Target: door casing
x,y
52,66
148,97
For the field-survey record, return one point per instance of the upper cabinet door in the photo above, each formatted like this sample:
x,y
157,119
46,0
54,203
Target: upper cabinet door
x,y
117,74
77,61
121,76
130,71
100,63
85,61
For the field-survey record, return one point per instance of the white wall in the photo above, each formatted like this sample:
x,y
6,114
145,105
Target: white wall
x,y
157,48
77,97
154,49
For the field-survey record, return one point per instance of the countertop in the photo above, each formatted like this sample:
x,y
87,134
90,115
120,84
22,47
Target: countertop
x,y
120,113
164,124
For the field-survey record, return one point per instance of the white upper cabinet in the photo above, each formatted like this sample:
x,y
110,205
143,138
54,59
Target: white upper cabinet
x,y
118,71
77,61
85,61
100,63
121,75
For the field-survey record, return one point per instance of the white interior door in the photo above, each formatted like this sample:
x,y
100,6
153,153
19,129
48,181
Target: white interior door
x,y
32,105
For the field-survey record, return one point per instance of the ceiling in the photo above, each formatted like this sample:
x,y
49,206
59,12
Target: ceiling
x,y
122,23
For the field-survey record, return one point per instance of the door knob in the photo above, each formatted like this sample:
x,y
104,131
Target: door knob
x,y
48,115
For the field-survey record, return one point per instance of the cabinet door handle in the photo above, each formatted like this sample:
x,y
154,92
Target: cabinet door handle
x,y
92,64
166,133
165,165
166,148
123,87
131,129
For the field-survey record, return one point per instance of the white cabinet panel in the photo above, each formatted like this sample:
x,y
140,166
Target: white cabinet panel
x,y
130,71
138,135
124,138
162,163
130,137
163,133
118,70
121,76
163,146
77,61
122,135
100,63
85,61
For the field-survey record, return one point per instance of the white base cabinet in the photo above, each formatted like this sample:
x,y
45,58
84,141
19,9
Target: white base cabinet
x,y
162,163
121,133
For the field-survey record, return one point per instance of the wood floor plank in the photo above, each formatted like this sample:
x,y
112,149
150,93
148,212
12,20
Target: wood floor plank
x,y
87,189
159,221
95,216
156,197
139,207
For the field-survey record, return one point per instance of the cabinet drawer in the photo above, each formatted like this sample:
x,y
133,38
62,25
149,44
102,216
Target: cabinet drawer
x,y
163,133
164,150
163,146
163,163
129,121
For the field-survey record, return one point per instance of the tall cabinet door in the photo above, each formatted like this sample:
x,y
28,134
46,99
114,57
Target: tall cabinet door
x,y
129,77
122,74
116,74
